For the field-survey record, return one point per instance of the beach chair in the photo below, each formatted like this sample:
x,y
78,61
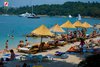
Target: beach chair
x,y
34,49
23,49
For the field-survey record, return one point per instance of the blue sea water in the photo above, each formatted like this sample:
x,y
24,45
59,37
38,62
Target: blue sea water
x,y
20,26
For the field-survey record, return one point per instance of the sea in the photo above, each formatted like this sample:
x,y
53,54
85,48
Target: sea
x,y
20,26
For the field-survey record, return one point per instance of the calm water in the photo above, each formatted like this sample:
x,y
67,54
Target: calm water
x,y
19,26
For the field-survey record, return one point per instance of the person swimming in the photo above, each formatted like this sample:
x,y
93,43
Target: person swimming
x,y
12,37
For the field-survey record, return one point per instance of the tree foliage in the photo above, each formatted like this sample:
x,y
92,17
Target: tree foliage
x,y
73,8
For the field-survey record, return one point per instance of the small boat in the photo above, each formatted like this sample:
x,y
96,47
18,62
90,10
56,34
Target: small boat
x,y
33,16
79,17
25,14
29,15
70,16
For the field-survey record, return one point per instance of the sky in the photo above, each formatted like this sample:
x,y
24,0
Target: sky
x,y
18,3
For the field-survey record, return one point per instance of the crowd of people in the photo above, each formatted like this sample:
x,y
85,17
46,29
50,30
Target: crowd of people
x,y
83,46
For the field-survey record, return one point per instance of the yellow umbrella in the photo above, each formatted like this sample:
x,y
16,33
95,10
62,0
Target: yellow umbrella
x,y
86,25
57,28
42,31
77,24
68,24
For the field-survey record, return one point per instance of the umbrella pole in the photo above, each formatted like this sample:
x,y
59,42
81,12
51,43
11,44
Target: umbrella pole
x,y
77,28
67,30
55,34
41,39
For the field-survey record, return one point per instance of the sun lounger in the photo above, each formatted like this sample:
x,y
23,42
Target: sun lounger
x,y
23,49
33,49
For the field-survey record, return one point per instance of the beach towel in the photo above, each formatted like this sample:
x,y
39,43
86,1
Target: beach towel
x,y
59,53
72,49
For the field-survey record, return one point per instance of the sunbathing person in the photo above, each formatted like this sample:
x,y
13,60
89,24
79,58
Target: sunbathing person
x,y
74,49
12,57
41,46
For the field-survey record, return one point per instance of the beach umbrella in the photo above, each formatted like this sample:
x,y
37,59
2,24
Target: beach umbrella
x,y
86,25
42,31
56,28
77,24
67,25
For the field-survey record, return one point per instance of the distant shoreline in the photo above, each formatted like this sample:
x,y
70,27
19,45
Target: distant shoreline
x,y
57,16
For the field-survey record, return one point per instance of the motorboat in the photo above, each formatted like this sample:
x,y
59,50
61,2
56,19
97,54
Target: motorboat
x,y
25,14
70,16
33,16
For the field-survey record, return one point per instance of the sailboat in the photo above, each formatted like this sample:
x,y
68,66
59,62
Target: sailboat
x,y
29,15
33,15
6,4
79,17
